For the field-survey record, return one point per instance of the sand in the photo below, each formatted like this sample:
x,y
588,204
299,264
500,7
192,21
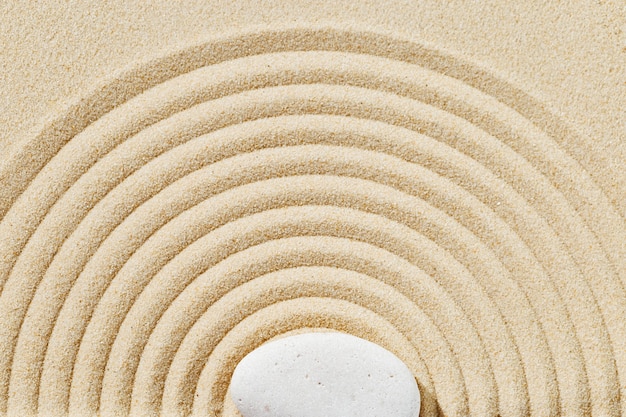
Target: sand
x,y
189,202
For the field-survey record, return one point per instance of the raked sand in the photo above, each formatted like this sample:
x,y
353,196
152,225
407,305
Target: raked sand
x,y
286,178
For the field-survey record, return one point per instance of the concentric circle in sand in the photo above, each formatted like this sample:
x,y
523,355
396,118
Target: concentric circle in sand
x,y
195,207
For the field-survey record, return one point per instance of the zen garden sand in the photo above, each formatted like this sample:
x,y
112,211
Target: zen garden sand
x,y
183,183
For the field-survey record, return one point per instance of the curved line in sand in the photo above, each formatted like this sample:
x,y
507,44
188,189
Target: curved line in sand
x,y
297,313
272,256
134,357
596,200
316,228
541,172
211,320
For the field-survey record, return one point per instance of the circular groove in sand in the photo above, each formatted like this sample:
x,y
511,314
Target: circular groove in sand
x,y
262,259
119,362
493,194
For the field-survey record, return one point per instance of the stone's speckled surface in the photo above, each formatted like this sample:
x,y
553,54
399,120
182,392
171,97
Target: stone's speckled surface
x,y
324,375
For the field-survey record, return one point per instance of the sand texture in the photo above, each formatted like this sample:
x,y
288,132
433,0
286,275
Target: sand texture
x,y
241,187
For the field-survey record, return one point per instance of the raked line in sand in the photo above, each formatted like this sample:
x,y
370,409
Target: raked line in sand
x,y
280,181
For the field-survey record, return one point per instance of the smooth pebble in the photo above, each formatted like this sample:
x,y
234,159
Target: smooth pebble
x,y
324,375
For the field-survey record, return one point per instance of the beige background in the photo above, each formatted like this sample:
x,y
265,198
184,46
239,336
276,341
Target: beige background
x,y
570,54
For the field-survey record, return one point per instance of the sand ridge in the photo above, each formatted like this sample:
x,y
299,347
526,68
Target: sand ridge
x,y
233,191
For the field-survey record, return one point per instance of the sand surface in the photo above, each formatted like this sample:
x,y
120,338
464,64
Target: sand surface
x,y
180,183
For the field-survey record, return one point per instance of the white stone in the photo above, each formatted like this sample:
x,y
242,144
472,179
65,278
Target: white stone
x,y
324,375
